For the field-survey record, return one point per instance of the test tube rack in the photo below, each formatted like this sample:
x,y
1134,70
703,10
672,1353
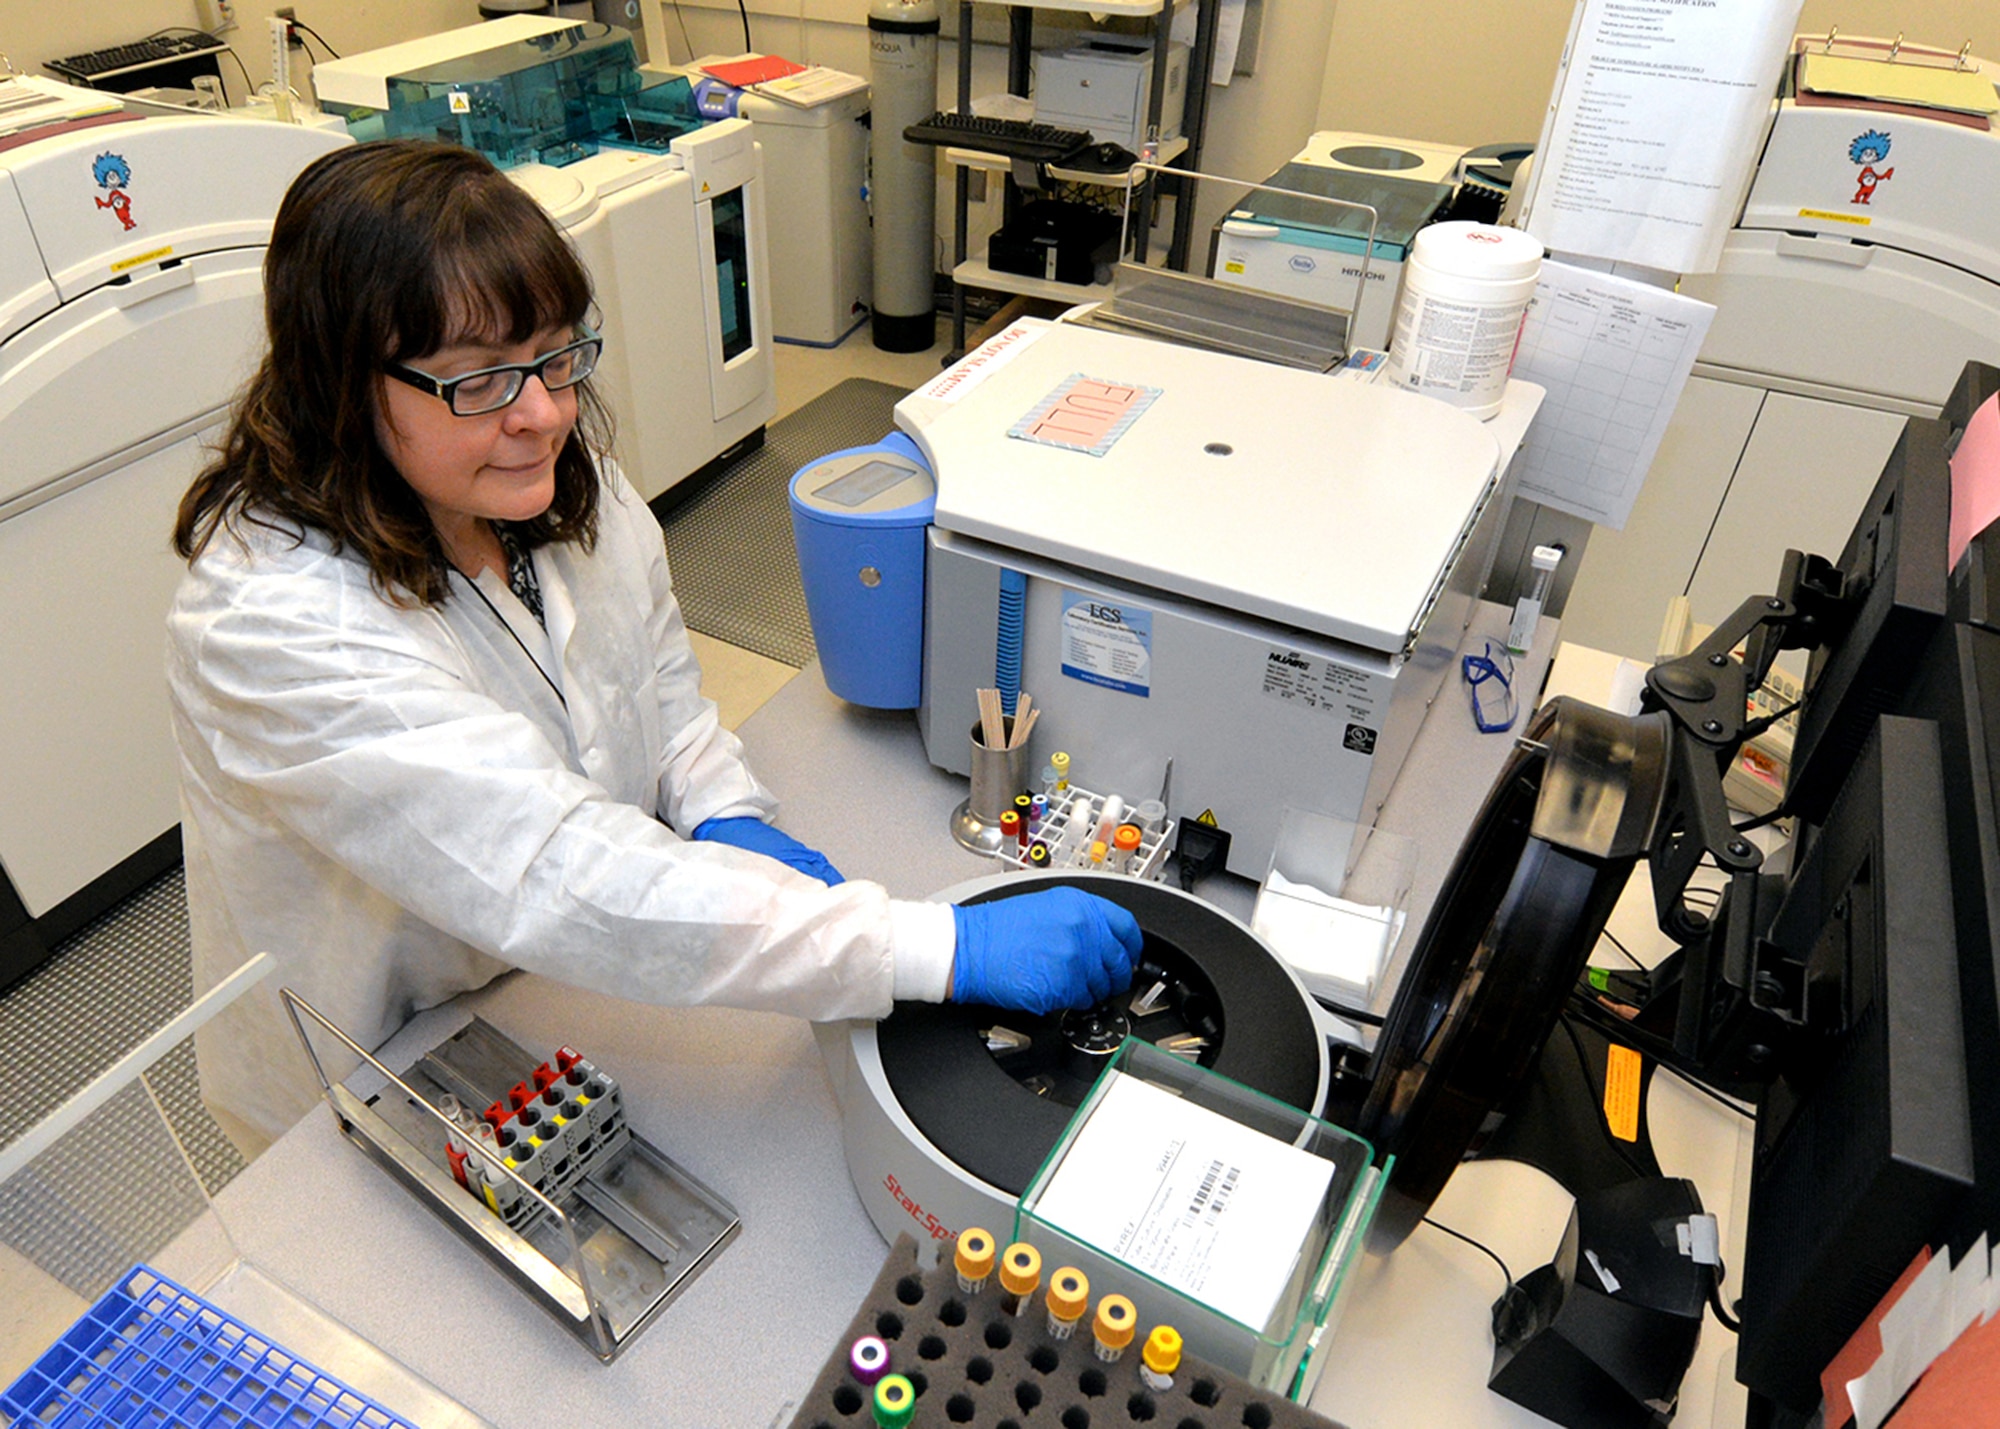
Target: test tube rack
x,y
972,1363
553,1128
594,1223
1149,860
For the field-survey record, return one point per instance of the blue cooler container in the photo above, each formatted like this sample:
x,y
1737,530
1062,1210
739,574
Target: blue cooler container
x,y
858,519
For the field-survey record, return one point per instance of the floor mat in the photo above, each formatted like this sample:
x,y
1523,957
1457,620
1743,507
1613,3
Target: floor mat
x,y
730,544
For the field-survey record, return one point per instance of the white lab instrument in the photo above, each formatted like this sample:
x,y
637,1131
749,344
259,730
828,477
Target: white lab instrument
x,y
1264,578
687,370
1847,297
666,229
815,153
131,309
1305,249
821,265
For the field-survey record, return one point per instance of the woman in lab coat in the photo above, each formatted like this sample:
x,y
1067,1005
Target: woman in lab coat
x,y
435,704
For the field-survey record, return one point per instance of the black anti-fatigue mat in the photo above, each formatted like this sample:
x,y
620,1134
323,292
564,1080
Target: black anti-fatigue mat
x,y
730,544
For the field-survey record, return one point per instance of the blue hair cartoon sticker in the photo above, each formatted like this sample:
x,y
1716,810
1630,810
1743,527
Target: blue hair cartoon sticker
x,y
111,171
115,175
1868,150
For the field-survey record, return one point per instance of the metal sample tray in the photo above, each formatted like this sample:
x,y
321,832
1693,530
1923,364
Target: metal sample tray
x,y
615,1246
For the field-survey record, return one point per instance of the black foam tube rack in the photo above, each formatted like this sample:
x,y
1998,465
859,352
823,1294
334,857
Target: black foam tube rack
x,y
972,1363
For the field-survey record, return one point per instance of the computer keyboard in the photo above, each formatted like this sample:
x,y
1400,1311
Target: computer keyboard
x,y
158,49
1016,138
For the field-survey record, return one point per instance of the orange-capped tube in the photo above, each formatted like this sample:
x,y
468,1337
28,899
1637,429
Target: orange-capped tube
x,y
1020,1276
1113,1326
1069,1297
1125,849
1160,1358
973,1258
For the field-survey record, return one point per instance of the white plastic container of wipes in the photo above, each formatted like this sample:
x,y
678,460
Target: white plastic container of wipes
x,y
1465,295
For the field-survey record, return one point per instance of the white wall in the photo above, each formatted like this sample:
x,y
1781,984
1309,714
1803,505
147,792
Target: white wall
x,y
32,31
1475,74
1423,69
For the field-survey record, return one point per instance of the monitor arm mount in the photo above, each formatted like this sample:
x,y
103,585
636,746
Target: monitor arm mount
x,y
1723,1007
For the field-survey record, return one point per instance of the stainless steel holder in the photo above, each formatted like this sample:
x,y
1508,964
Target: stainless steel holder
x,y
1225,317
619,1248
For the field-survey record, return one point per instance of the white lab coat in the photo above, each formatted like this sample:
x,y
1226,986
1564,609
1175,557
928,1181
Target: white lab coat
x,y
399,805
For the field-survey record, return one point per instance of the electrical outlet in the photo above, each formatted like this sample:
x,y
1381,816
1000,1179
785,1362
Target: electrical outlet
x,y
219,15
290,14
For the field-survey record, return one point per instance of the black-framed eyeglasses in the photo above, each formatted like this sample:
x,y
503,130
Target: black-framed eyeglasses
x,y
474,394
1489,679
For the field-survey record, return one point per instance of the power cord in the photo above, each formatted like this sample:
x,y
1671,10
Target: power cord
x,y
1486,1251
308,29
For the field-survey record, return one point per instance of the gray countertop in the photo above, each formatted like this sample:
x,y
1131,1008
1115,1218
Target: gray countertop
x,y
740,1099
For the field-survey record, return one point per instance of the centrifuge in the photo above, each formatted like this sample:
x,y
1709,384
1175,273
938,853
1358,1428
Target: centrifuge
x,y
947,1110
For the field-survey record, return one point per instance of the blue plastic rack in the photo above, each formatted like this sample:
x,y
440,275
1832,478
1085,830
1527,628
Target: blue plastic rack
x,y
152,1353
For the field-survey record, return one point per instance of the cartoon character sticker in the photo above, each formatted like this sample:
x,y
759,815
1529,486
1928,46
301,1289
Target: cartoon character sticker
x,y
113,174
1869,150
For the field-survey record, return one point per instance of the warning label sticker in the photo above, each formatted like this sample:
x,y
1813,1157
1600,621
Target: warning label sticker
x,y
1622,1084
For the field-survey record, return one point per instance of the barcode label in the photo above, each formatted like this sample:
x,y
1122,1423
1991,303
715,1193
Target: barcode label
x,y
1202,1192
1221,1197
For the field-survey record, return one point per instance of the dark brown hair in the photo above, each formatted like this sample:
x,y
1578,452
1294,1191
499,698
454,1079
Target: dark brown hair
x,y
389,252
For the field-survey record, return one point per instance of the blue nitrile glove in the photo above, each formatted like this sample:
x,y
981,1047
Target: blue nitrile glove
x,y
760,837
1042,951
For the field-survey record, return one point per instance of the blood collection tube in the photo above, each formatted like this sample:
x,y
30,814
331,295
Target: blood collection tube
x,y
1025,807
1068,1298
1038,813
1151,815
1160,1358
973,1259
895,1402
868,1359
1109,818
1010,832
1038,854
1125,849
1076,828
1098,853
1020,1274
1112,1326
1059,768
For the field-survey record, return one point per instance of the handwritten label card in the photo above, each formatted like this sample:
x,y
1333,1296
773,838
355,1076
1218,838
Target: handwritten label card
x,y
1085,414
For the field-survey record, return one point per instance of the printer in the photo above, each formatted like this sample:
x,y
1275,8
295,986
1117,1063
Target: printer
x,y
1259,573
1861,276
666,209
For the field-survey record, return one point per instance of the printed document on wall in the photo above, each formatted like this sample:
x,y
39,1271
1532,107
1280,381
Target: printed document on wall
x,y
1614,356
1654,127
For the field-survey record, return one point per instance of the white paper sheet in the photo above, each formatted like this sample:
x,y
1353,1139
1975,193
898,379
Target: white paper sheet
x,y
1195,1200
1653,127
1614,356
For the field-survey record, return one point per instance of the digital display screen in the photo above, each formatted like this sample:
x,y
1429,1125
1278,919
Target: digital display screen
x,y
862,484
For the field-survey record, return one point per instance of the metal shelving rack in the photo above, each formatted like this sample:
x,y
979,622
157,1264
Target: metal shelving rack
x,y
1182,153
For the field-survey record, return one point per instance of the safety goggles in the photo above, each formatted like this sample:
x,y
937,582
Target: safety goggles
x,y
1489,679
474,394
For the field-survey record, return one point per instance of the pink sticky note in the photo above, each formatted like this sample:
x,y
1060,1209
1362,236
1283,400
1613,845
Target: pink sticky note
x,y
1975,478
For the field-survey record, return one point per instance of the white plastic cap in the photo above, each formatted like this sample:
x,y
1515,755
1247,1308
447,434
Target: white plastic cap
x,y
1547,558
1478,250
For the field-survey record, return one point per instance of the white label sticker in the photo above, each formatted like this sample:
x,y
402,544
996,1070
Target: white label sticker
x,y
1108,644
1339,691
1609,1281
460,102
